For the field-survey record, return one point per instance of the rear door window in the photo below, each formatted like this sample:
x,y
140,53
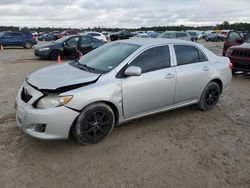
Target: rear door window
x,y
17,35
188,54
86,40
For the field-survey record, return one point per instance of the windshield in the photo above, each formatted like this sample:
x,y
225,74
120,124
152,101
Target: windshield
x,y
107,57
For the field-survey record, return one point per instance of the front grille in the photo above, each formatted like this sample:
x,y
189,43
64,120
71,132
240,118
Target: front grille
x,y
241,53
25,96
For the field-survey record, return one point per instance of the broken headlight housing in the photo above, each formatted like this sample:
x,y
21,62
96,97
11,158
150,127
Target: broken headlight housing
x,y
51,101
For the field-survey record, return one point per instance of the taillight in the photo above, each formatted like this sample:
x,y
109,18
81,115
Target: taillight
x,y
33,37
230,65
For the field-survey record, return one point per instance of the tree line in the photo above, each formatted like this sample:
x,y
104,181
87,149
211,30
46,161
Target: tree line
x,y
224,25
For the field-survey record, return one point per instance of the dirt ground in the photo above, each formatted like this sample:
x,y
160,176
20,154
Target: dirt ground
x,y
182,148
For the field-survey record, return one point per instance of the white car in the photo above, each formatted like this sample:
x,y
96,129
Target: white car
x,y
97,35
118,82
140,36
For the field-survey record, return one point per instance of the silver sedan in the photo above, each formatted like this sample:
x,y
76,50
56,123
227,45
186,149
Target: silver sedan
x,y
118,82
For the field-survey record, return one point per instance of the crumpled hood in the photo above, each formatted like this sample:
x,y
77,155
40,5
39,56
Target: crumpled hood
x,y
58,76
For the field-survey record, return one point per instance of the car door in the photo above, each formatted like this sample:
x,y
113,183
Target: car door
x,y
6,39
154,88
17,38
86,44
193,72
233,38
70,46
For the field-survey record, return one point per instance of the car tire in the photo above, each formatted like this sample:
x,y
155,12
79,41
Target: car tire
x,y
210,96
94,123
27,45
54,54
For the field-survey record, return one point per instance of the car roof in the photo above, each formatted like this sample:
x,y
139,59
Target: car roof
x,y
155,41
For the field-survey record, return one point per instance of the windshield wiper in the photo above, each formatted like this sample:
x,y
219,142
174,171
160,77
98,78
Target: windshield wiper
x,y
83,66
87,67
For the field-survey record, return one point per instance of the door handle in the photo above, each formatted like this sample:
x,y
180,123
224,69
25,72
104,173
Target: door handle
x,y
169,76
206,68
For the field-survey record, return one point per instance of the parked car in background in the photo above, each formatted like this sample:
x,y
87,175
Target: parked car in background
x,y
46,37
193,35
65,33
237,48
120,35
207,33
141,36
153,34
118,82
97,35
175,35
68,47
24,39
34,33
200,34
215,37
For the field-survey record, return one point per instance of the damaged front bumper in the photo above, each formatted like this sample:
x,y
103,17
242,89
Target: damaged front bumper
x,y
48,124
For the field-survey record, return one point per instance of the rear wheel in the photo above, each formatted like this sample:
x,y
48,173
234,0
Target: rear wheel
x,y
94,123
27,45
210,96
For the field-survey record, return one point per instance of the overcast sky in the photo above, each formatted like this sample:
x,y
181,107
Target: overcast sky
x,y
121,13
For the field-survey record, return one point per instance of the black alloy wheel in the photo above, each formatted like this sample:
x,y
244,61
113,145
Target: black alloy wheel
x,y
210,96
94,123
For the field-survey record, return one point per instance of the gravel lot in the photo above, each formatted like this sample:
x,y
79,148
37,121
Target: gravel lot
x,y
181,148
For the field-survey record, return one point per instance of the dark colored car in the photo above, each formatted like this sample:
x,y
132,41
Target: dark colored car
x,y
237,49
193,36
65,33
68,47
24,39
215,37
120,35
46,37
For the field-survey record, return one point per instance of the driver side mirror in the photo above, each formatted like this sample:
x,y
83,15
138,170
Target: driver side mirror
x,y
133,71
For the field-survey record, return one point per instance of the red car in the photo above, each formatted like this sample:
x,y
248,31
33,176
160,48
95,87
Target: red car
x,y
65,33
237,49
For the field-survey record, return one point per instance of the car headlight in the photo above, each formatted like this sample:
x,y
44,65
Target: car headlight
x,y
43,49
51,101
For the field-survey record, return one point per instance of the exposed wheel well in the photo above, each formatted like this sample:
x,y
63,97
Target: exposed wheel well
x,y
110,104
219,82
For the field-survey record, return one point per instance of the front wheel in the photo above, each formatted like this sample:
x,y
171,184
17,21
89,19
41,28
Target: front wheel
x,y
54,54
210,96
94,123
